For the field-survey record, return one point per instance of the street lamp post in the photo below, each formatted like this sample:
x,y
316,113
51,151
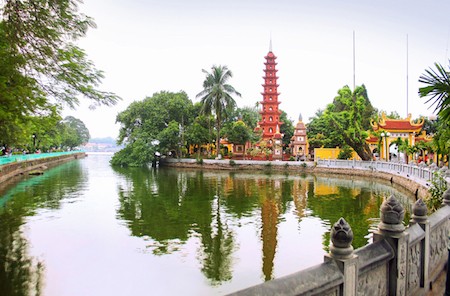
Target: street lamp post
x,y
34,142
385,135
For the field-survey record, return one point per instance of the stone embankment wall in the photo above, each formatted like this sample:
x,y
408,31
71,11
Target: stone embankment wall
x,y
418,189
10,170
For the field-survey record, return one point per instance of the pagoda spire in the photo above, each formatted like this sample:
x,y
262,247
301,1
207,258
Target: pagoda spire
x,y
270,44
270,113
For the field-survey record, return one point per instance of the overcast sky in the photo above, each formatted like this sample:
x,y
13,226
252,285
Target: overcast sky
x,y
146,46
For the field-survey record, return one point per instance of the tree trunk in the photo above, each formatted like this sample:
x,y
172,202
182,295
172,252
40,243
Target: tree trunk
x,y
218,138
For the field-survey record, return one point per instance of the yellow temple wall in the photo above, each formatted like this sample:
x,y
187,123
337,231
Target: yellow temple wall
x,y
331,153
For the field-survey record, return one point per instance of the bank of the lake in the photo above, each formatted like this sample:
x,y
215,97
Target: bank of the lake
x,y
15,166
419,188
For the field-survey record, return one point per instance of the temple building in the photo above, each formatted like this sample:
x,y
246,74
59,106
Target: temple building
x,y
392,129
270,114
299,141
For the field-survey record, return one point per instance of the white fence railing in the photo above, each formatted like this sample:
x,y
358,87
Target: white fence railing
x,y
420,173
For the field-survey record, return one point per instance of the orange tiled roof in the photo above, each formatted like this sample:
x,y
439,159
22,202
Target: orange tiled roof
x,y
396,125
372,139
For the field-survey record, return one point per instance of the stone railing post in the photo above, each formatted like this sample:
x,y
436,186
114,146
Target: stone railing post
x,y
341,251
446,202
392,230
419,216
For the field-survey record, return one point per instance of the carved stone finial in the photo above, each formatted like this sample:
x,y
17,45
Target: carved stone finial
x,y
341,240
420,211
446,197
392,214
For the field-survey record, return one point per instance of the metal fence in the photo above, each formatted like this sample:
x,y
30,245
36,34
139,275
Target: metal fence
x,y
25,157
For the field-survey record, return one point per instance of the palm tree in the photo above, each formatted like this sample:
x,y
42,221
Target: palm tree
x,y
438,88
216,96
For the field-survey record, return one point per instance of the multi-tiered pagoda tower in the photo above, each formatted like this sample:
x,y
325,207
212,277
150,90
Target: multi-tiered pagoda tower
x,y
270,114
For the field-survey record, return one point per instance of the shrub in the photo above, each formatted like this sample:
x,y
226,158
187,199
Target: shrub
x,y
232,163
437,189
345,153
199,161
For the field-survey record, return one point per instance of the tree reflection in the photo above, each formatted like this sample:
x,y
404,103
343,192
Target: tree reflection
x,y
218,244
355,200
20,273
167,207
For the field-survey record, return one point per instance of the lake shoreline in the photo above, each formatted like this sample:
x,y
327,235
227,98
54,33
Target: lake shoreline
x,y
419,190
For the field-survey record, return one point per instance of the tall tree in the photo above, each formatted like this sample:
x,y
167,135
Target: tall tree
x,y
320,134
41,68
239,133
287,129
44,33
350,115
216,96
437,88
146,123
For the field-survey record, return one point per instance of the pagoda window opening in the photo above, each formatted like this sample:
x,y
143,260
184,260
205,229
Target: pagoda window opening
x,y
270,99
270,108
270,130
270,118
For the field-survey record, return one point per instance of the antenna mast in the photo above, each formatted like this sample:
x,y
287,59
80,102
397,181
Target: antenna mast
x,y
407,78
354,60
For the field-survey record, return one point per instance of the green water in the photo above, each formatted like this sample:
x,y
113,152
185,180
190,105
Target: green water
x,y
84,228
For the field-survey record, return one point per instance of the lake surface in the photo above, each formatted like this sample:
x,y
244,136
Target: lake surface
x,y
84,228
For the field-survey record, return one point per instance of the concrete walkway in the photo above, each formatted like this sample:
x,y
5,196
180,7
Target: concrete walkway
x,y
438,287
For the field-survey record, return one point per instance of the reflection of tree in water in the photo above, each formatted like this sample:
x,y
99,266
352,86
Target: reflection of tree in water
x,y
357,203
21,274
218,245
168,205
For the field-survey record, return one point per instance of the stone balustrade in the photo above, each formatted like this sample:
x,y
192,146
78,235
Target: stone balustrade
x,y
420,173
400,260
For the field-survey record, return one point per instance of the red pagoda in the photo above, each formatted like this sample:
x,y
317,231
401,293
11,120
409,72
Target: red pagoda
x,y
270,114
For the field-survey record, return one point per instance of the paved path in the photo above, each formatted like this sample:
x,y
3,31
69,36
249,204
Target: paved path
x,y
438,287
